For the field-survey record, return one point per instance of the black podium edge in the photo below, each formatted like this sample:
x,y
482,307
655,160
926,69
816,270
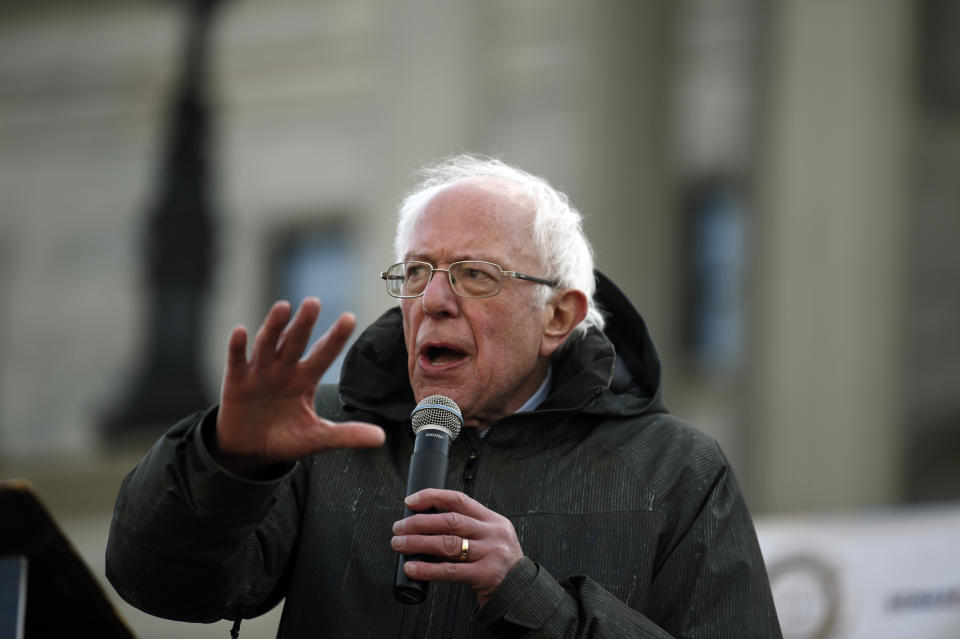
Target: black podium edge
x,y
57,577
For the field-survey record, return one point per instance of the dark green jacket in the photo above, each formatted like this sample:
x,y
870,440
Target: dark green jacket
x,y
631,522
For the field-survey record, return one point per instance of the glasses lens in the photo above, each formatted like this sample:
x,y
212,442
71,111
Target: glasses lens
x,y
475,279
408,279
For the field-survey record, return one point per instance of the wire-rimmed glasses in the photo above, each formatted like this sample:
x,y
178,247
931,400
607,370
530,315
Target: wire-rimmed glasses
x,y
469,278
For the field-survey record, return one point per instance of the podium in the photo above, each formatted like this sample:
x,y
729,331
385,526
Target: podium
x,y
46,590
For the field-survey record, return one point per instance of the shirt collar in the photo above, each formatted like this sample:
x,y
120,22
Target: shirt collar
x,y
535,400
541,394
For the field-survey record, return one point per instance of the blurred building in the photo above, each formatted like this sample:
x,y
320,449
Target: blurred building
x,y
772,183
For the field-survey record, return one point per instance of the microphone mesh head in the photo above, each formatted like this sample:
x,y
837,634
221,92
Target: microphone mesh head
x,y
437,411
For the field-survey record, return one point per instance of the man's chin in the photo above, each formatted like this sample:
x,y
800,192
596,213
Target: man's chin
x,y
426,388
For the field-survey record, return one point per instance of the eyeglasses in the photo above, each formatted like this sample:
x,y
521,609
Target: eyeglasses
x,y
471,278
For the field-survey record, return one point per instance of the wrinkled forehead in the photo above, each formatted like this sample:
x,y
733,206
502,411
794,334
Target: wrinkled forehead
x,y
480,214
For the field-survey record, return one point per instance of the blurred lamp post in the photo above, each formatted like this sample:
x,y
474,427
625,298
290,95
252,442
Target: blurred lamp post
x,y
179,247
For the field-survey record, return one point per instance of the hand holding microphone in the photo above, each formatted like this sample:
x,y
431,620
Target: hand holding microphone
x,y
436,422
447,536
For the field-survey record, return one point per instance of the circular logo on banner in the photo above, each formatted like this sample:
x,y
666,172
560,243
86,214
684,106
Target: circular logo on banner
x,y
807,596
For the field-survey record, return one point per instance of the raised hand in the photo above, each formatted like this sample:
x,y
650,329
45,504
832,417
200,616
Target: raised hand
x,y
266,413
492,545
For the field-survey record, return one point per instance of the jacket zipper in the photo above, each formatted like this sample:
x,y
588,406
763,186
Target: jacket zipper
x,y
450,616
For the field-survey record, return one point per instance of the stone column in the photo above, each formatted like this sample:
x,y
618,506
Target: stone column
x,y
829,246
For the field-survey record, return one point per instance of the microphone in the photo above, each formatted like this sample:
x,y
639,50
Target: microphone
x,y
436,422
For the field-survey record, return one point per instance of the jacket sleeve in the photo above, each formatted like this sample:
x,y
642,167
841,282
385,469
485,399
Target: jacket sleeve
x,y
191,542
711,583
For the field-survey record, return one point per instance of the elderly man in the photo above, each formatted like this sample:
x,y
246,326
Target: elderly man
x,y
576,505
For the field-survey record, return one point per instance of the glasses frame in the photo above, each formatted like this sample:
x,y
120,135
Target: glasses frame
x,y
384,275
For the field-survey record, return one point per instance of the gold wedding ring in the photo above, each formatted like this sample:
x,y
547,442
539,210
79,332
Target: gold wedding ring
x,y
464,549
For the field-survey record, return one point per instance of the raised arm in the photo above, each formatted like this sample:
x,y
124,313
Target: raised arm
x,y
204,527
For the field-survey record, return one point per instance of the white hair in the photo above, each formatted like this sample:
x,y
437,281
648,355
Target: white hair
x,y
558,237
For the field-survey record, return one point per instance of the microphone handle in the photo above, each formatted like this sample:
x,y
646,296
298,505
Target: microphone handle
x,y
428,469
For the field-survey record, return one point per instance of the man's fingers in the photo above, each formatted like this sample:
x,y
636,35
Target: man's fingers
x,y
350,435
448,523
294,339
491,551
447,571
448,547
330,344
236,352
452,501
265,343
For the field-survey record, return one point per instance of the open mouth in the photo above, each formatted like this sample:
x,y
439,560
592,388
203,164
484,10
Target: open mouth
x,y
442,355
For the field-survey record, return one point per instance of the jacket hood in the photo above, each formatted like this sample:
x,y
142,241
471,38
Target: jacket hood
x,y
613,372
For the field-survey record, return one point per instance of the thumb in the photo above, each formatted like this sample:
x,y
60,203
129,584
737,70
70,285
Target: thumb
x,y
332,435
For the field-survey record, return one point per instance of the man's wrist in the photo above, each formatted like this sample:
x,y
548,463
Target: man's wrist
x,y
242,467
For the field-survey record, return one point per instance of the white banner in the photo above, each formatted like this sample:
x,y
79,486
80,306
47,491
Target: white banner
x,y
872,575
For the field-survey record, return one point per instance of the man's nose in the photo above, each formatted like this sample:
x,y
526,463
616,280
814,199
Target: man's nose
x,y
438,297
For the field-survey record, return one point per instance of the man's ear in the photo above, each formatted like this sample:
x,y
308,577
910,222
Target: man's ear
x,y
561,316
